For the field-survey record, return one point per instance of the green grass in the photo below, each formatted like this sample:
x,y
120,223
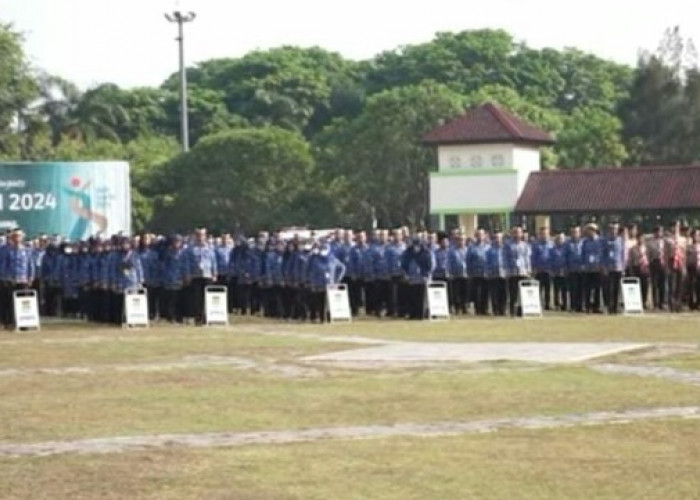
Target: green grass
x,y
42,407
641,460
157,349
574,328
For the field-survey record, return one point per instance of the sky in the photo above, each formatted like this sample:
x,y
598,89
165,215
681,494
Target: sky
x,y
129,42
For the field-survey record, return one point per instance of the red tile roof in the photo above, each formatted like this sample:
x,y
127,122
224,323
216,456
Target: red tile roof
x,y
487,124
611,190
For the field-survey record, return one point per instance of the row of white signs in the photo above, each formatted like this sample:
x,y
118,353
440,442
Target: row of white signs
x,y
216,303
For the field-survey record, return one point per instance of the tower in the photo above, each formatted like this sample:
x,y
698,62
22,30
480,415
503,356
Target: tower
x,y
484,157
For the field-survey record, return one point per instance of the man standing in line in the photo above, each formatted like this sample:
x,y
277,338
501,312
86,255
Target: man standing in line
x,y
656,252
540,265
518,263
397,294
476,262
592,253
201,271
574,269
615,262
417,263
358,271
497,273
18,271
459,284
559,269
382,274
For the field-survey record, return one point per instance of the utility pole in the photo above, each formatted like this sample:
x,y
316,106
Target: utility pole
x,y
181,18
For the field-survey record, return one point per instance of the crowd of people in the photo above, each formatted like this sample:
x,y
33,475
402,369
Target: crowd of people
x,y
386,271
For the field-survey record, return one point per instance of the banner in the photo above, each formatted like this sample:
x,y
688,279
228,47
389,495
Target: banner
x,y
74,200
216,305
530,300
26,308
438,305
338,303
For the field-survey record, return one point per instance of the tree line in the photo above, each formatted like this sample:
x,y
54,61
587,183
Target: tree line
x,y
304,136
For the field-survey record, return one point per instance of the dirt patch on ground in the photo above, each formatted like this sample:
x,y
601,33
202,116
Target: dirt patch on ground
x,y
230,439
663,372
188,362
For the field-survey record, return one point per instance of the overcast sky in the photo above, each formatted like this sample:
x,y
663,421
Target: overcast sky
x,y
129,42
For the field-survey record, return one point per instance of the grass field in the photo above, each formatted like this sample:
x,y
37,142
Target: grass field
x,y
71,382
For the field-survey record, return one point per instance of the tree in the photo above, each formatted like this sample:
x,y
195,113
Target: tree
x,y
463,61
591,137
17,88
380,154
287,86
238,179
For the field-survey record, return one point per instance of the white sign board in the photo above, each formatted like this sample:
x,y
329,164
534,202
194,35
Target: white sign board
x,y
26,308
632,296
135,307
338,303
438,305
216,305
530,301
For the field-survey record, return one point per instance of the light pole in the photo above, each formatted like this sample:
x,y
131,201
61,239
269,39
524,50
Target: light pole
x,y
181,18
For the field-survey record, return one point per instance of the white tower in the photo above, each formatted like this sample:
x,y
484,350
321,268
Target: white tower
x,y
484,159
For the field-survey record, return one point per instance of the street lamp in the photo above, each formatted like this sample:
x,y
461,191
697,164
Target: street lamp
x,y
181,18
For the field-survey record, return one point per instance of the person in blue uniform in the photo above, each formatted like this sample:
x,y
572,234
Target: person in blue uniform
x,y
592,257
201,272
497,273
417,263
476,263
574,269
614,264
458,273
518,257
18,270
396,305
541,249
558,269
323,270
175,268
126,271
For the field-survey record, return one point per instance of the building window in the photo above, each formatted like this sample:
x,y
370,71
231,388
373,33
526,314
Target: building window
x,y
455,162
476,161
497,161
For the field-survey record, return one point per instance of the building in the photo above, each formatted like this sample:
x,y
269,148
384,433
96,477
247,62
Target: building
x,y
485,158
489,163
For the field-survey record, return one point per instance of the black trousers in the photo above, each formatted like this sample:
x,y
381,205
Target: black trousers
x,y
382,296
643,276
575,283
480,289
514,294
658,284
173,305
676,286
498,291
459,295
356,295
196,297
154,302
392,305
693,287
545,288
317,306
416,298
561,293
591,291
611,291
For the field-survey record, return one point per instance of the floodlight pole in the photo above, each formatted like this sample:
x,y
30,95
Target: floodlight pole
x,y
181,18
